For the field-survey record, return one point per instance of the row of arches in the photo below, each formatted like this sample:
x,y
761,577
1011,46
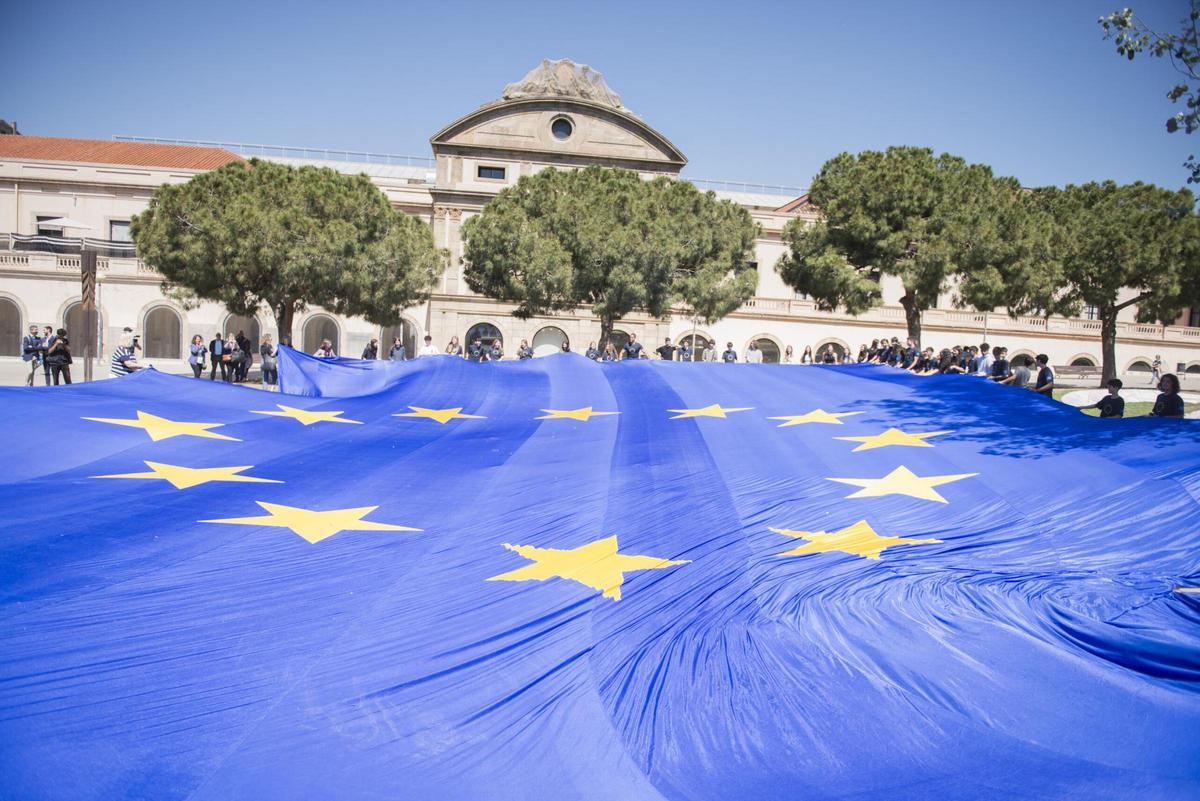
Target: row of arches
x,y
162,328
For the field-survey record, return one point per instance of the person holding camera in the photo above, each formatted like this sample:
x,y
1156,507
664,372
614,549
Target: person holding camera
x,y
124,357
58,357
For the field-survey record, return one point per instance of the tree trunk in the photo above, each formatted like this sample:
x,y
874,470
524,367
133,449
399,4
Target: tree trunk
x,y
606,329
1108,345
912,316
284,315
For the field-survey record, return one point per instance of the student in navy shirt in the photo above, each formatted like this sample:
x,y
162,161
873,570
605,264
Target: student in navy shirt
x,y
1045,376
1168,403
1112,404
475,350
730,355
632,349
1000,368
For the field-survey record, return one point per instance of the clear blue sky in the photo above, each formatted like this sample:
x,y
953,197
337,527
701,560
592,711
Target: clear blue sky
x,y
751,91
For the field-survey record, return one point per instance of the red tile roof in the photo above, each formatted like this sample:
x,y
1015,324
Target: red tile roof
x,y
802,203
104,151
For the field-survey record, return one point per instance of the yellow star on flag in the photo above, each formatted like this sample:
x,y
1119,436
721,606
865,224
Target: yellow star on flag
x,y
893,436
708,411
597,565
311,524
815,416
583,414
858,539
162,428
902,481
185,477
443,416
307,417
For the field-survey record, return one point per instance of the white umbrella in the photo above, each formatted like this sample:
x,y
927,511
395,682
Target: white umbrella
x,y
64,222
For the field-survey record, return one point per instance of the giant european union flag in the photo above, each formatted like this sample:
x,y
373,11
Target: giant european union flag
x,y
556,579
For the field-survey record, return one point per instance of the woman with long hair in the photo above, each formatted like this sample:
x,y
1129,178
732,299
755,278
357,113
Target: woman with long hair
x,y
1168,403
196,355
453,348
807,356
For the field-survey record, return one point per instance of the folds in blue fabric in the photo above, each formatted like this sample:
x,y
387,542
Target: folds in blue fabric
x,y
557,579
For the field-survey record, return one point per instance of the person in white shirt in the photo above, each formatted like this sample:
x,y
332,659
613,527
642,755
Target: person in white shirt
x,y
428,349
754,355
325,351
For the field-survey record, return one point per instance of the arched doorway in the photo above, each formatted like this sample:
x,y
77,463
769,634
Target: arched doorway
x,y
486,332
248,325
320,327
770,351
73,321
162,330
619,340
548,340
406,331
10,328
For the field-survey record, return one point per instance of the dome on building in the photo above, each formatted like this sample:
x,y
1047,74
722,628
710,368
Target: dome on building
x,y
564,78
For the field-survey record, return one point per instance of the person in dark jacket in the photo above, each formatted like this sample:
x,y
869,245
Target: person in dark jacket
x,y
31,351
371,351
216,350
58,356
1168,403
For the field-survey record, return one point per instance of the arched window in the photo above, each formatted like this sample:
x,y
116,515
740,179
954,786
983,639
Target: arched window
x,y
548,340
10,328
619,340
406,332
1193,369
700,345
320,327
770,350
161,334
1139,367
1083,361
486,332
248,326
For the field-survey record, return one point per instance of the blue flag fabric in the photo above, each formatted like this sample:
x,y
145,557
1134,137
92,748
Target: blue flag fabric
x,y
556,579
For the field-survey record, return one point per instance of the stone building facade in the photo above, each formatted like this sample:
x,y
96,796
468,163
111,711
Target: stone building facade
x,y
560,115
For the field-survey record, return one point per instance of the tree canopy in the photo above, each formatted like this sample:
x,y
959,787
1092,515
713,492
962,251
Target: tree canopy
x,y
920,217
266,234
1132,36
1122,246
607,238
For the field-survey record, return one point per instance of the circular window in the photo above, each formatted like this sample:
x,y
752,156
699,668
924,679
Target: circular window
x,y
562,128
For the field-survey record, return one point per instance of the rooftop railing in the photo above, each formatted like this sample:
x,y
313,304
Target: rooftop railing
x,y
289,151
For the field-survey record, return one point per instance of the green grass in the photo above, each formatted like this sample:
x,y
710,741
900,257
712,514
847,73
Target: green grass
x,y
1132,409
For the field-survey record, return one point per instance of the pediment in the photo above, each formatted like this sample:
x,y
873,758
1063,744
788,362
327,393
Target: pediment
x,y
598,133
